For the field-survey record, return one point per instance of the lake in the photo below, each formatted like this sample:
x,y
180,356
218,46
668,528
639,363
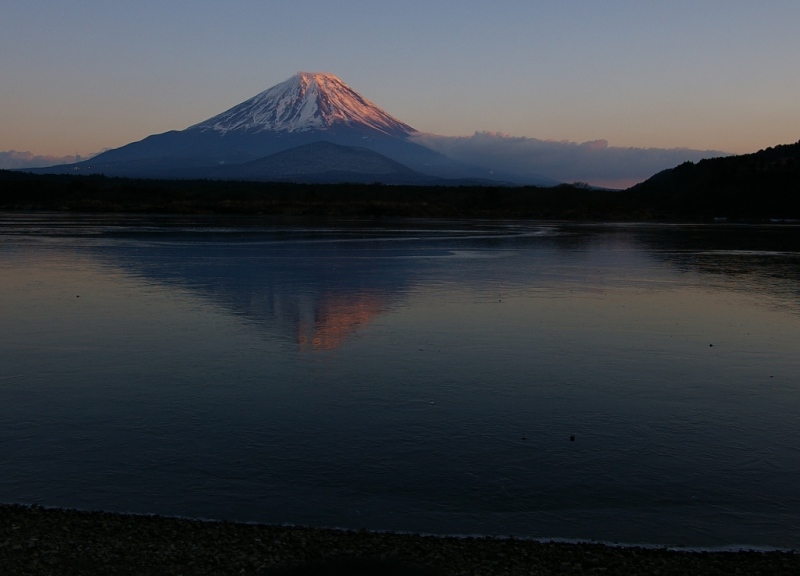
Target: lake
x,y
634,383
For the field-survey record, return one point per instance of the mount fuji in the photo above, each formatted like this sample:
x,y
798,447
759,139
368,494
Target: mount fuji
x,y
307,102
307,108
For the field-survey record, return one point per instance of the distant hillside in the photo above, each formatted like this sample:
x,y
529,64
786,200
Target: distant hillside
x,y
752,187
765,184
307,108
321,162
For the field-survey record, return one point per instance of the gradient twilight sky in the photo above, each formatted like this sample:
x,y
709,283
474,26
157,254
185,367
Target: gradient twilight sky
x,y
86,75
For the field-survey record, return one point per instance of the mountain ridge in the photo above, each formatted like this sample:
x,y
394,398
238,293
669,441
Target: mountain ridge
x,y
759,187
764,184
321,162
306,108
306,101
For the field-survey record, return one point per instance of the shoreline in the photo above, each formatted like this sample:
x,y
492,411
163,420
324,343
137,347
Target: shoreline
x,y
758,201
36,540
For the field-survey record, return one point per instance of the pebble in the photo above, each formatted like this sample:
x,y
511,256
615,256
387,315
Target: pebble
x,y
74,542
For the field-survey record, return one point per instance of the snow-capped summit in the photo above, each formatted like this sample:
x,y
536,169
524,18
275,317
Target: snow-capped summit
x,y
300,114
306,101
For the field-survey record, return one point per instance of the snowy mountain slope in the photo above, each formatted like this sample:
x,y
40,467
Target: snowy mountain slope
x,y
306,108
306,101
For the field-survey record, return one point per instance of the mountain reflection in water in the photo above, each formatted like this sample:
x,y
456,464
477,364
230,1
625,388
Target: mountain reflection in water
x,y
324,283
336,317
407,375
316,287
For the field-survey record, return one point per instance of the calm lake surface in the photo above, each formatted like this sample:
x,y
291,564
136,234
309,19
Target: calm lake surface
x,y
631,383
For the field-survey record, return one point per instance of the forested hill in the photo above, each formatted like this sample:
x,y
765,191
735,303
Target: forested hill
x,y
752,187
764,184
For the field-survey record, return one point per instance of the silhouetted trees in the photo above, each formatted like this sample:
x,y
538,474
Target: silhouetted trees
x,y
754,186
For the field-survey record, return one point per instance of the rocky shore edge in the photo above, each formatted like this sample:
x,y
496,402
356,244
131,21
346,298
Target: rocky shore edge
x,y
52,541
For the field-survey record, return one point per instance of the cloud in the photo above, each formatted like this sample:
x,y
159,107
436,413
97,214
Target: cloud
x,y
12,159
594,162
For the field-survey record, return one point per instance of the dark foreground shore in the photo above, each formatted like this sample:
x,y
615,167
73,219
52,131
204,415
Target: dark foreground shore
x,y
36,540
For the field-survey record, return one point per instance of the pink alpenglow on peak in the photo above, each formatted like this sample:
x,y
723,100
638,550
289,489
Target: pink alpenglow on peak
x,y
306,101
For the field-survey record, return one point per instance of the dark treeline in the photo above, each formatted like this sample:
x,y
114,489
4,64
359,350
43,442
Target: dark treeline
x,y
765,184
100,194
751,187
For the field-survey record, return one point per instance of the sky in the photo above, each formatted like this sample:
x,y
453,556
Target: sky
x,y
618,75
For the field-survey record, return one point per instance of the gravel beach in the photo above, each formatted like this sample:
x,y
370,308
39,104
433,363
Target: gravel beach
x,y
36,540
